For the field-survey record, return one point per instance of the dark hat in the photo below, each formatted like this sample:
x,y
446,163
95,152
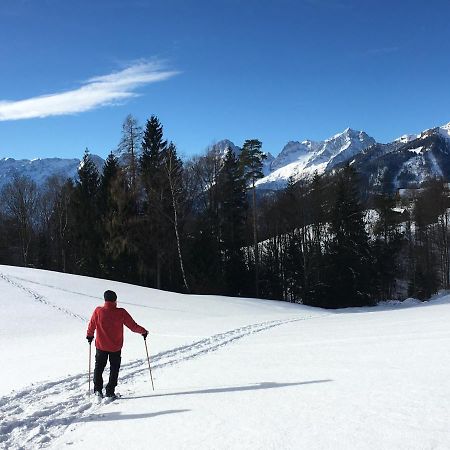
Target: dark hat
x,y
110,296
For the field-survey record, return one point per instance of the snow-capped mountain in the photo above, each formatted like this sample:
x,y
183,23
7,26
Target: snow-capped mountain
x,y
298,159
406,162
40,169
302,158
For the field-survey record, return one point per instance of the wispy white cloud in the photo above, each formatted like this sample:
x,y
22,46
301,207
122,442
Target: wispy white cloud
x,y
96,92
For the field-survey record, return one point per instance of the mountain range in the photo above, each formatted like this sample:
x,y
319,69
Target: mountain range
x,y
406,162
40,169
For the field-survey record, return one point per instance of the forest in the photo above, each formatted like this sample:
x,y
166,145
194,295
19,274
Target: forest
x,y
202,226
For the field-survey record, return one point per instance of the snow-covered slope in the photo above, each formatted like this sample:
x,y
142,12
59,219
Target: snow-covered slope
x,y
406,138
295,152
341,147
229,373
445,131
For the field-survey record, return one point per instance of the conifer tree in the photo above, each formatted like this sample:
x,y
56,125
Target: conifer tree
x,y
84,227
157,205
112,189
153,147
110,173
232,213
348,256
251,163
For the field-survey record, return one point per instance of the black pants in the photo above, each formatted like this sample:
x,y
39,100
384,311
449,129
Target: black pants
x,y
101,358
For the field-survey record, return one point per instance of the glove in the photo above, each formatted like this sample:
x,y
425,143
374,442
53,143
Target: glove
x,y
144,335
90,339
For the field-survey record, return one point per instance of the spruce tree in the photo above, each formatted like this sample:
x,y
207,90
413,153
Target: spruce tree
x,y
85,225
114,238
111,170
153,147
251,164
232,213
348,256
156,223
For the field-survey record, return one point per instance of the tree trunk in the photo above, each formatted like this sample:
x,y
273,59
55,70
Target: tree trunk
x,y
255,242
175,225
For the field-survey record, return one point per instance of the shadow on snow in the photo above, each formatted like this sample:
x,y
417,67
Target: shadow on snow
x,y
251,387
104,417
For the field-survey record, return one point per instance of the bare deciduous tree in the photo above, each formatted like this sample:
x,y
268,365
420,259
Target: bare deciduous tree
x,y
20,201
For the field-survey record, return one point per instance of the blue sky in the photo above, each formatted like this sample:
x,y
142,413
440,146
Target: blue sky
x,y
273,70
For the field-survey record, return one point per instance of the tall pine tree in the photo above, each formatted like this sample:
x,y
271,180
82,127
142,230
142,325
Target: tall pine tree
x,y
85,230
157,205
251,163
348,256
232,213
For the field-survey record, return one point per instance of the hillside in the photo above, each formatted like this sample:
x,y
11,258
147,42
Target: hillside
x,y
229,373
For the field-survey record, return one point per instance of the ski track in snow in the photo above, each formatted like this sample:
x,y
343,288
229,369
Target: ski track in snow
x,y
40,298
33,417
96,297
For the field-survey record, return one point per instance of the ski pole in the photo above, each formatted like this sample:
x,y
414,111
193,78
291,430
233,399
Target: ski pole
x,y
148,359
90,347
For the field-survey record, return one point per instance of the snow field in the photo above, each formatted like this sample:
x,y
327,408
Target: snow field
x,y
229,373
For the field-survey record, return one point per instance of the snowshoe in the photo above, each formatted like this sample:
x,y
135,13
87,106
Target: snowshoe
x,y
111,397
98,396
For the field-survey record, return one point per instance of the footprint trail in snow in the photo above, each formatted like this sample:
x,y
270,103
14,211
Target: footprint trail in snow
x,y
35,416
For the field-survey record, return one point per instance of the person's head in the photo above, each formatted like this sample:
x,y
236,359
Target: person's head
x,y
110,296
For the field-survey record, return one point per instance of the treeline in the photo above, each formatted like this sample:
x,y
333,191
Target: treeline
x,y
330,244
201,226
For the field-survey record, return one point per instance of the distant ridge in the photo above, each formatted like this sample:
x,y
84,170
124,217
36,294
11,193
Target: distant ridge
x,y
406,162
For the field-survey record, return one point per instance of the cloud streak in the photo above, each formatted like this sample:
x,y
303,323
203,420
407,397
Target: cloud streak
x,y
96,92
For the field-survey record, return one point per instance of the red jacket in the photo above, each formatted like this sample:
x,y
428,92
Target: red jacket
x,y
109,320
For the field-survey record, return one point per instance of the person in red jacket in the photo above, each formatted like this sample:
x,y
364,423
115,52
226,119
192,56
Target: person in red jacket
x,y
108,321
